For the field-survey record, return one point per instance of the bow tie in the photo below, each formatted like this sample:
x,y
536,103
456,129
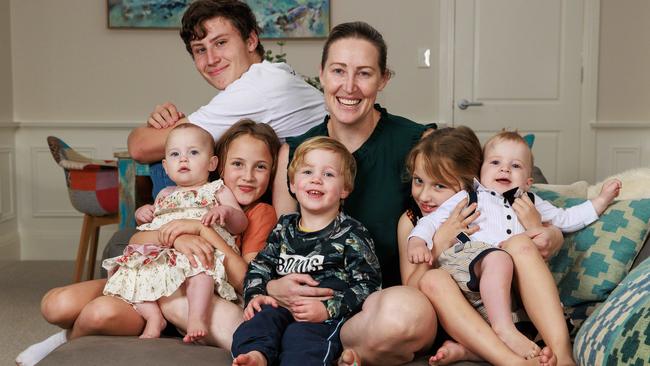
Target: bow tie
x,y
515,193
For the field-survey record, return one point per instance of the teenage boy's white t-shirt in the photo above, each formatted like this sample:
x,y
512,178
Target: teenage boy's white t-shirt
x,y
269,93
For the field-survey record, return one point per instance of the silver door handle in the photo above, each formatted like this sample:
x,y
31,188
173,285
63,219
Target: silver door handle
x,y
464,103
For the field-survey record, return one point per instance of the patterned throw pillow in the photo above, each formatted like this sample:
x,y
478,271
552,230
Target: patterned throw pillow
x,y
594,260
618,333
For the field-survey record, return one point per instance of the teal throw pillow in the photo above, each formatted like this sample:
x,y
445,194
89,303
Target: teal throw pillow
x,y
618,332
594,260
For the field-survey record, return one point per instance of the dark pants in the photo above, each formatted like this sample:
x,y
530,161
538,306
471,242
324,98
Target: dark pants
x,y
284,341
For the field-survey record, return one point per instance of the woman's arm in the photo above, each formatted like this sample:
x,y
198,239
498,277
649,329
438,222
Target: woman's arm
x,y
282,200
410,272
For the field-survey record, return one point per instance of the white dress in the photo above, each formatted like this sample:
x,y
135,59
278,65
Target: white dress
x,y
146,272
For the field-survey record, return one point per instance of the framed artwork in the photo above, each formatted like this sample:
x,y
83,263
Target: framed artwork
x,y
292,18
278,19
146,13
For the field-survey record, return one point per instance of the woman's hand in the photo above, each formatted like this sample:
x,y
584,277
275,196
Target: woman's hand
x,y
168,233
255,305
527,213
458,222
296,287
194,245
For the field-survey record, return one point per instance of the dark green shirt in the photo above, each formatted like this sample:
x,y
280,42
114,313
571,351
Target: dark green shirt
x,y
381,191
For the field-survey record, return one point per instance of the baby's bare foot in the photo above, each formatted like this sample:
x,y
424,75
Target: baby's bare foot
x,y
253,358
451,352
153,328
518,343
349,358
197,328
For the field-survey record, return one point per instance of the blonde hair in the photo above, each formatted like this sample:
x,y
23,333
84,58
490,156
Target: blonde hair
x,y
348,164
449,154
513,136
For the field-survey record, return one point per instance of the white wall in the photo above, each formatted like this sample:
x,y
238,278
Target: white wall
x,y
623,126
89,85
67,74
9,243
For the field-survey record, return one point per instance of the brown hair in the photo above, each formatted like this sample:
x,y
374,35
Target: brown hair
x,y
348,166
259,131
205,135
513,136
238,13
360,30
449,154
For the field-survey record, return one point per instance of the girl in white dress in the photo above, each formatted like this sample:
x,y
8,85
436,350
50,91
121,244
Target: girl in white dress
x,y
149,268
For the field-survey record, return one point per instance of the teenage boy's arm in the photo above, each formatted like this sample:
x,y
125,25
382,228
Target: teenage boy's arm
x,y
364,274
147,144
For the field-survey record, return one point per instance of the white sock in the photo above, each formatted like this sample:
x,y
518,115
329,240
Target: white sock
x,y
36,352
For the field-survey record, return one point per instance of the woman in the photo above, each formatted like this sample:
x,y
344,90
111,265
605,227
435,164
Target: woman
x,y
399,321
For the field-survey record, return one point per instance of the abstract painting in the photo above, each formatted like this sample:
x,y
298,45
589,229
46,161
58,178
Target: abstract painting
x,y
276,18
292,18
146,13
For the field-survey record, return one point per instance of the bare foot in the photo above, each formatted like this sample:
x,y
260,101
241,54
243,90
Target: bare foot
x,y
197,328
546,357
252,358
153,328
349,358
519,343
451,352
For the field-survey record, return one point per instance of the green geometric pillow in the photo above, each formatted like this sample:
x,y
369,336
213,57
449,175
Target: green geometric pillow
x,y
618,332
594,260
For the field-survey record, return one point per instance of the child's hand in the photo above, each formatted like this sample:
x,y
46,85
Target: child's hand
x,y
458,222
168,233
255,305
218,214
312,311
526,212
144,214
417,251
611,189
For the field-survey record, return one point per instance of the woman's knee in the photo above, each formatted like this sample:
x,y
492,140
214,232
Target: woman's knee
x,y
405,312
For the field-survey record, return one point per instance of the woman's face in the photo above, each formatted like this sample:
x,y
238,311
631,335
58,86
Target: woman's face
x,y
247,170
351,79
428,192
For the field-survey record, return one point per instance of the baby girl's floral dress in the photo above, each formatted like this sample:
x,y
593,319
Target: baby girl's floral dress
x,y
146,272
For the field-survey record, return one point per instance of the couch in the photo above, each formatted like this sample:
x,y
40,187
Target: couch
x,y
609,305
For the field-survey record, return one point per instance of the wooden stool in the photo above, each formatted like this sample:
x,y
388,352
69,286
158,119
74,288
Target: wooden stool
x,y
90,237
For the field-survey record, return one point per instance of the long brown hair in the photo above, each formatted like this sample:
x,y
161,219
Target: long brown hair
x,y
449,154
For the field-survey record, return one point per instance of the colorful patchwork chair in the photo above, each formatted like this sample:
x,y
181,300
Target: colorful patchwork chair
x,y
93,188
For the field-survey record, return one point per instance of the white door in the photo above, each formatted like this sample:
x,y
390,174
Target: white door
x,y
521,60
